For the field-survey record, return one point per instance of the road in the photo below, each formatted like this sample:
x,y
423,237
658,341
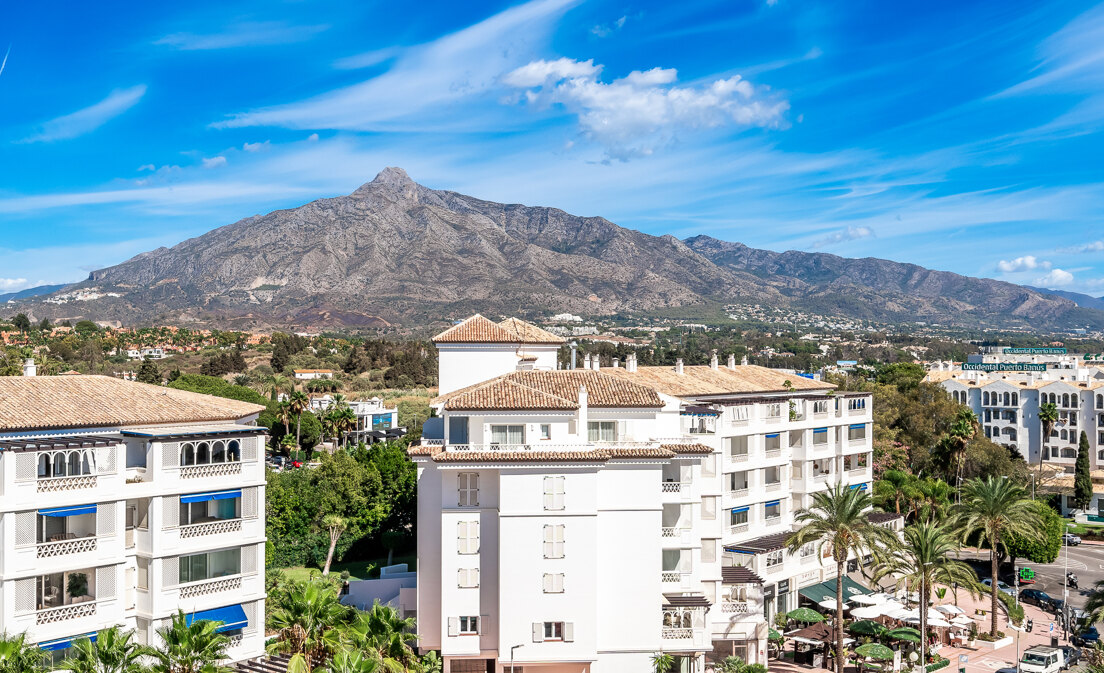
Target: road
x,y
1085,560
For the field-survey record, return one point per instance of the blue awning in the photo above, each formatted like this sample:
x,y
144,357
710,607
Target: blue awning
x,y
823,430
69,511
213,495
62,643
740,509
231,616
854,486
857,426
772,435
772,503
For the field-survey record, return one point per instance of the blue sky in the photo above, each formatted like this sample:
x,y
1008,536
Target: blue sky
x,y
962,136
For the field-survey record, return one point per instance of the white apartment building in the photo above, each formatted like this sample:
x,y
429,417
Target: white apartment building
x,y
121,503
583,520
1007,406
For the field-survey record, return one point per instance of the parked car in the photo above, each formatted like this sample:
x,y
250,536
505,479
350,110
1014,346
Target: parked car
x,y
988,582
1041,659
1086,638
1036,597
1071,539
1072,655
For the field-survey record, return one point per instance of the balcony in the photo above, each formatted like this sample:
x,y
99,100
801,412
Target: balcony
x,y
211,528
65,613
675,533
62,531
737,608
674,487
211,586
66,547
738,529
739,493
743,456
59,484
772,520
772,453
822,477
210,470
66,595
774,486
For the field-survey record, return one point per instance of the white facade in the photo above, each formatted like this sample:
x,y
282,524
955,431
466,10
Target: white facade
x,y
587,539
463,364
126,525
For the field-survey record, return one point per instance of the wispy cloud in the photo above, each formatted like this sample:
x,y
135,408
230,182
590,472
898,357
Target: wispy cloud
x,y
425,80
1056,278
242,35
643,111
1025,263
847,234
90,118
10,284
214,162
367,59
607,29
4,63
1094,246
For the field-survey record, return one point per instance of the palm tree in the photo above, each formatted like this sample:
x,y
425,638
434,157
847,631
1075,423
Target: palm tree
x,y
838,519
1048,416
382,631
894,487
962,431
335,525
112,652
306,622
16,656
242,380
923,560
351,661
934,498
995,508
298,402
346,422
190,648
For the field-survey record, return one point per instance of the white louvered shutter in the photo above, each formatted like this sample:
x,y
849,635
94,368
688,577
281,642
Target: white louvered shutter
x,y
170,571
25,533
538,632
250,498
249,448
250,617
554,493
105,461
105,519
170,454
249,559
170,516
26,466
105,582
569,632
454,626
25,595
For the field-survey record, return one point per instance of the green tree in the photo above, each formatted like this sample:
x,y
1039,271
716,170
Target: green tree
x,y
837,519
925,558
149,373
662,662
962,431
906,376
45,325
1082,482
213,385
16,656
306,621
1043,548
994,508
895,487
86,327
21,322
1048,416
190,648
112,652
381,630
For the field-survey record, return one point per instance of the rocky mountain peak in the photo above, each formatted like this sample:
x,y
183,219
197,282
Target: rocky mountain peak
x,y
394,180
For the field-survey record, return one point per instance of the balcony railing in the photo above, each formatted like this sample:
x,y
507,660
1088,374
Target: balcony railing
x,y
772,520
214,586
674,486
55,484
673,532
824,476
677,633
774,486
211,528
743,457
738,608
66,547
670,577
738,528
773,453
739,493
211,470
857,470
66,612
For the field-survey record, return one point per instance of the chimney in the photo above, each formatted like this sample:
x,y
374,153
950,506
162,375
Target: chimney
x,y
678,366
29,368
630,364
573,346
582,420
732,361
617,363
713,359
743,361
594,363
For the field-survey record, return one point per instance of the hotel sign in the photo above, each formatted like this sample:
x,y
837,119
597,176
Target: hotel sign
x,y
1034,351
1004,367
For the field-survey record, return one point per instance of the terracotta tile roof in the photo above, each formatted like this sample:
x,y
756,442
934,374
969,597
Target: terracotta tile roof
x,y
704,380
550,390
599,456
47,402
739,575
422,450
688,448
646,452
529,333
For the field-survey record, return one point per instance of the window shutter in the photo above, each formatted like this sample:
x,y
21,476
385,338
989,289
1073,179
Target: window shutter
x,y
25,595
26,466
538,631
569,632
170,571
462,537
105,582
25,534
249,502
171,515
454,626
105,519
547,583
622,430
106,460
170,454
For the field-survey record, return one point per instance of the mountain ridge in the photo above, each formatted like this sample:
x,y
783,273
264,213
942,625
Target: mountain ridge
x,y
394,252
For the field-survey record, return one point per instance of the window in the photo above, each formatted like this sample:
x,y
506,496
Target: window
x,y
209,510
66,463
774,558
856,432
467,537
709,551
546,431
808,550
820,407
739,413
856,403
458,429
774,411
709,507
207,453
602,431
772,510
553,630
738,481
773,442
507,434
143,572
467,489
709,465
820,436
554,541
738,448
553,583
467,578
208,565
772,475
469,626
738,516
553,493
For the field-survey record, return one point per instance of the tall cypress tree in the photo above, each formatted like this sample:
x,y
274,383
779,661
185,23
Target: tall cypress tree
x,y
1082,482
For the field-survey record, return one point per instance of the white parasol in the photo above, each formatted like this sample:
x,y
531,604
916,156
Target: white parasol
x,y
950,609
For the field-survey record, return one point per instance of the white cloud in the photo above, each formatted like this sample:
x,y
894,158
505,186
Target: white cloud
x,y
214,162
90,118
312,138
13,284
1094,246
1056,278
605,30
147,167
255,147
367,59
425,80
848,234
1025,263
242,35
641,112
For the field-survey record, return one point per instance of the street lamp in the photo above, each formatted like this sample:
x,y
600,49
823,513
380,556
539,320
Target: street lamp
x,y
512,655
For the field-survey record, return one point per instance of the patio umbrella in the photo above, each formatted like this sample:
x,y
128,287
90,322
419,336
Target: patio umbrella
x,y
950,609
869,612
962,620
903,633
866,627
830,604
874,651
869,599
941,623
805,615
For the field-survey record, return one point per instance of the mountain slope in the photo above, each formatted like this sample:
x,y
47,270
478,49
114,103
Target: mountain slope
x,y
394,252
30,292
1083,300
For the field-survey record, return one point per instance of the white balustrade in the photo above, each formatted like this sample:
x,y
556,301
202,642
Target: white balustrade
x,y
55,484
211,528
65,612
208,587
65,547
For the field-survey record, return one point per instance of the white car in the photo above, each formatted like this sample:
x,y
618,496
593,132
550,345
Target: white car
x,y
1071,539
1001,586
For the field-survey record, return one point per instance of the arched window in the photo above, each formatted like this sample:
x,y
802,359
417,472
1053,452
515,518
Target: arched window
x,y
44,466
1064,436
1075,400
74,466
233,451
1008,399
187,453
985,397
1100,401
203,453
88,462
59,464
1015,399
218,453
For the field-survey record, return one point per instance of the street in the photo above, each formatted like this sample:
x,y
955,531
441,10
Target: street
x,y
1085,560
